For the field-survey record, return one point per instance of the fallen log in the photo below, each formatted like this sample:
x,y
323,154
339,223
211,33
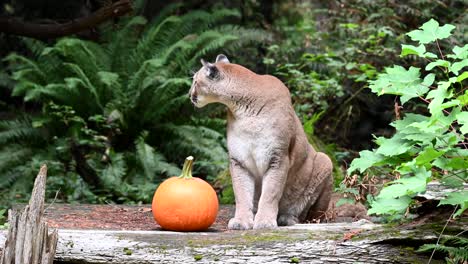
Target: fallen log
x,y
115,234
358,242
28,239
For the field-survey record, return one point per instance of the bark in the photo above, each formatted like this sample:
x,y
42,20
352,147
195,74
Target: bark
x,y
11,25
28,239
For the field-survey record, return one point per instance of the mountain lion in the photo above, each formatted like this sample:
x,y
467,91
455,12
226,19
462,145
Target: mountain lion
x,y
277,176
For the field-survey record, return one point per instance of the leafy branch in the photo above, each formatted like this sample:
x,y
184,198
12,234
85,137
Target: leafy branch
x,y
425,147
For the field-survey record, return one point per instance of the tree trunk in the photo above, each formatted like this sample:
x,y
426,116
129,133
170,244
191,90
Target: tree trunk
x,y
28,239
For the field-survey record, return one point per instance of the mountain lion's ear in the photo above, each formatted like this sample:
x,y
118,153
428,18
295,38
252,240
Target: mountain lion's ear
x,y
211,70
222,58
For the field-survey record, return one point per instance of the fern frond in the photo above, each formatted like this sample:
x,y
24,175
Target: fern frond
x,y
17,130
34,45
114,172
204,143
25,68
122,43
153,163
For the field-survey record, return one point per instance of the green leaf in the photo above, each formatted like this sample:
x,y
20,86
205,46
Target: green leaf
x,y
419,50
442,63
399,81
430,55
462,119
459,52
389,205
412,50
462,77
408,186
457,198
393,146
457,66
458,163
366,160
406,127
452,181
464,97
431,31
438,96
428,155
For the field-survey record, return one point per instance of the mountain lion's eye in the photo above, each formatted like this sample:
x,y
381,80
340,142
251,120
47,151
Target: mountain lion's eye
x,y
213,74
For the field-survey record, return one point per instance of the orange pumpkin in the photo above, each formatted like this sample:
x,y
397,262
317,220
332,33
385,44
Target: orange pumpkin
x,y
185,203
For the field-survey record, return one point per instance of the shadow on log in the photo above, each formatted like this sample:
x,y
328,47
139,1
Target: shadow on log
x,y
28,239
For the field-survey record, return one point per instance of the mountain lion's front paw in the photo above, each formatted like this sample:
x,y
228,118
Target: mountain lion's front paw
x,y
240,224
287,220
260,223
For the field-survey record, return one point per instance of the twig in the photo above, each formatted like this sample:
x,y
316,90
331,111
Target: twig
x,y
53,201
438,46
461,232
443,229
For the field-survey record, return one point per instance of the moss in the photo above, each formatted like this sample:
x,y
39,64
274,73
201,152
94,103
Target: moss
x,y
127,251
198,257
294,260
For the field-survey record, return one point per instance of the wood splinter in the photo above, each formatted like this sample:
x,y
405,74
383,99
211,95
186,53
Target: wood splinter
x,y
28,239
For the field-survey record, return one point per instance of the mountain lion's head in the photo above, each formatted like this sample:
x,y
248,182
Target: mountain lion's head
x,y
211,83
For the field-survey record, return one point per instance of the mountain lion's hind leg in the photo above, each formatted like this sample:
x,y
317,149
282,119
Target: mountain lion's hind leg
x,y
316,176
323,193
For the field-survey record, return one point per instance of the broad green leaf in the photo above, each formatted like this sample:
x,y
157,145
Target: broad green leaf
x,y
393,146
428,80
457,66
399,81
431,31
438,124
459,52
453,181
458,163
457,198
409,132
438,96
441,63
464,97
428,155
412,50
430,55
462,77
389,205
407,186
402,124
462,119
366,160
446,141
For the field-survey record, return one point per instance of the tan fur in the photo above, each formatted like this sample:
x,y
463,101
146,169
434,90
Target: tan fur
x,y
278,177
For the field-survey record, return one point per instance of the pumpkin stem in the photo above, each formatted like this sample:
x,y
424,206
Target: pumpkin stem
x,y
187,169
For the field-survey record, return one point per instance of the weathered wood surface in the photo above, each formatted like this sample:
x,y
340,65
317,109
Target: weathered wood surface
x,y
307,243
128,234
28,239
